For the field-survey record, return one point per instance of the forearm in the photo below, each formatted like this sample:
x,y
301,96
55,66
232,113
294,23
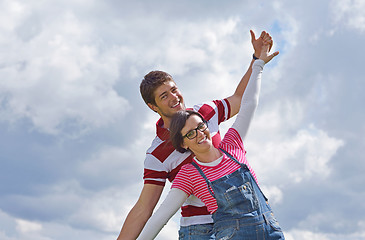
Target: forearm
x,y
249,100
141,211
173,201
241,87
236,98
134,223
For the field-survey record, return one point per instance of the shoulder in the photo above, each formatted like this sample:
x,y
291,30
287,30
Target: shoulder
x,y
184,175
233,135
230,134
232,141
208,110
187,171
187,167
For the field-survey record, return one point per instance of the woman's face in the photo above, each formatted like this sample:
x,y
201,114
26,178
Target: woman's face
x,y
196,135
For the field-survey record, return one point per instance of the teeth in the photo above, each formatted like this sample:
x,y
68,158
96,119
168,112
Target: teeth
x,y
176,104
205,138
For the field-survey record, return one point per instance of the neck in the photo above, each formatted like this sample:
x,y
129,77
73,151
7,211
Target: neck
x,y
166,122
209,156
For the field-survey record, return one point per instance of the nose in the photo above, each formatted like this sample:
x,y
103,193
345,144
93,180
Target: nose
x,y
174,96
199,132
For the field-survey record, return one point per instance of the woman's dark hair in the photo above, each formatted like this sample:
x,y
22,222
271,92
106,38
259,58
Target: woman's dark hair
x,y
178,122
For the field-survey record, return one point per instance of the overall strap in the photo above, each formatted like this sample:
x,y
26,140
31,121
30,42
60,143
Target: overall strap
x,y
245,166
203,175
234,159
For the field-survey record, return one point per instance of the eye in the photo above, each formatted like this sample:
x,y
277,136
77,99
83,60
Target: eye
x,y
202,126
190,134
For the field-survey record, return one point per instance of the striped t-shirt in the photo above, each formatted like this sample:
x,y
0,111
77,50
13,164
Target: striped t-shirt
x,y
191,182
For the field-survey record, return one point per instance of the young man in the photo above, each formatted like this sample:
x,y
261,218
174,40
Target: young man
x,y
162,162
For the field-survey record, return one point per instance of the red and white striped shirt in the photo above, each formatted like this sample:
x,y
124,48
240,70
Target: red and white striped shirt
x,y
163,161
190,181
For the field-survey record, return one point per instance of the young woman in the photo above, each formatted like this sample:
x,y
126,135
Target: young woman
x,y
220,177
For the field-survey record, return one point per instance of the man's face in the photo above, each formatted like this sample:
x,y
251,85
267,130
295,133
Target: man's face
x,y
168,100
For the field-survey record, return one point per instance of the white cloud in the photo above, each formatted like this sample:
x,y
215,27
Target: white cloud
x,y
314,149
274,148
305,235
60,78
274,193
349,13
208,44
25,226
103,211
120,161
15,228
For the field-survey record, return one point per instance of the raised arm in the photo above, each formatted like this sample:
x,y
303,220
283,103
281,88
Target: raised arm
x,y
141,211
251,97
173,201
235,99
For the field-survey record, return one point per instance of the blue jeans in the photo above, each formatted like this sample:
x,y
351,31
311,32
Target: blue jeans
x,y
197,232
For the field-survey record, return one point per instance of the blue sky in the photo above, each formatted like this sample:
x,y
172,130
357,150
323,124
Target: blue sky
x,y
74,128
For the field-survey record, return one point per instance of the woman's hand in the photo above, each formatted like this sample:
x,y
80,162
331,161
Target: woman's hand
x,y
265,56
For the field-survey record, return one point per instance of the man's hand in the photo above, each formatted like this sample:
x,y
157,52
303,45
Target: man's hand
x,y
235,99
258,43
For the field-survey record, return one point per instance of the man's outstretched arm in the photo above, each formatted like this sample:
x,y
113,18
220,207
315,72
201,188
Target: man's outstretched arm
x,y
141,212
235,99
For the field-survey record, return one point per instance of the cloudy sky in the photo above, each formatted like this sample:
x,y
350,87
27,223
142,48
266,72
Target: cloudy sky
x,y
74,129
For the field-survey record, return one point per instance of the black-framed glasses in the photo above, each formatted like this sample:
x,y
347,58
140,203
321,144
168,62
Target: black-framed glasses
x,y
194,132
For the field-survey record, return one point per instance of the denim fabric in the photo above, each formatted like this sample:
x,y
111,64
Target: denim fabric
x,y
243,211
234,229
198,232
235,194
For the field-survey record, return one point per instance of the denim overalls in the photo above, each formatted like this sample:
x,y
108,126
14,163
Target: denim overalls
x,y
243,211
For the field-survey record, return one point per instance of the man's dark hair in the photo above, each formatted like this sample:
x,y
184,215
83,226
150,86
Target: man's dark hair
x,y
151,82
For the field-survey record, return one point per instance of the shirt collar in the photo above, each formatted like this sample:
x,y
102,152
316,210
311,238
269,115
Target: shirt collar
x,y
162,133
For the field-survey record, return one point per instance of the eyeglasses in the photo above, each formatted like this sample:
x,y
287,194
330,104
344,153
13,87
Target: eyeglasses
x,y
194,132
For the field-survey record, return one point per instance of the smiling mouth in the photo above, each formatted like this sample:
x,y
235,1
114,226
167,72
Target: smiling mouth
x,y
201,141
176,105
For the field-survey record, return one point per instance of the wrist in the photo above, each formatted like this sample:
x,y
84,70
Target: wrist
x,y
255,56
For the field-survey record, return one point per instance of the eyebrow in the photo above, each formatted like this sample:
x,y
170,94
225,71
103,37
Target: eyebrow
x,y
162,94
165,92
195,127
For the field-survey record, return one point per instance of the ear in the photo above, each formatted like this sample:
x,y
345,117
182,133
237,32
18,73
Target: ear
x,y
152,107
